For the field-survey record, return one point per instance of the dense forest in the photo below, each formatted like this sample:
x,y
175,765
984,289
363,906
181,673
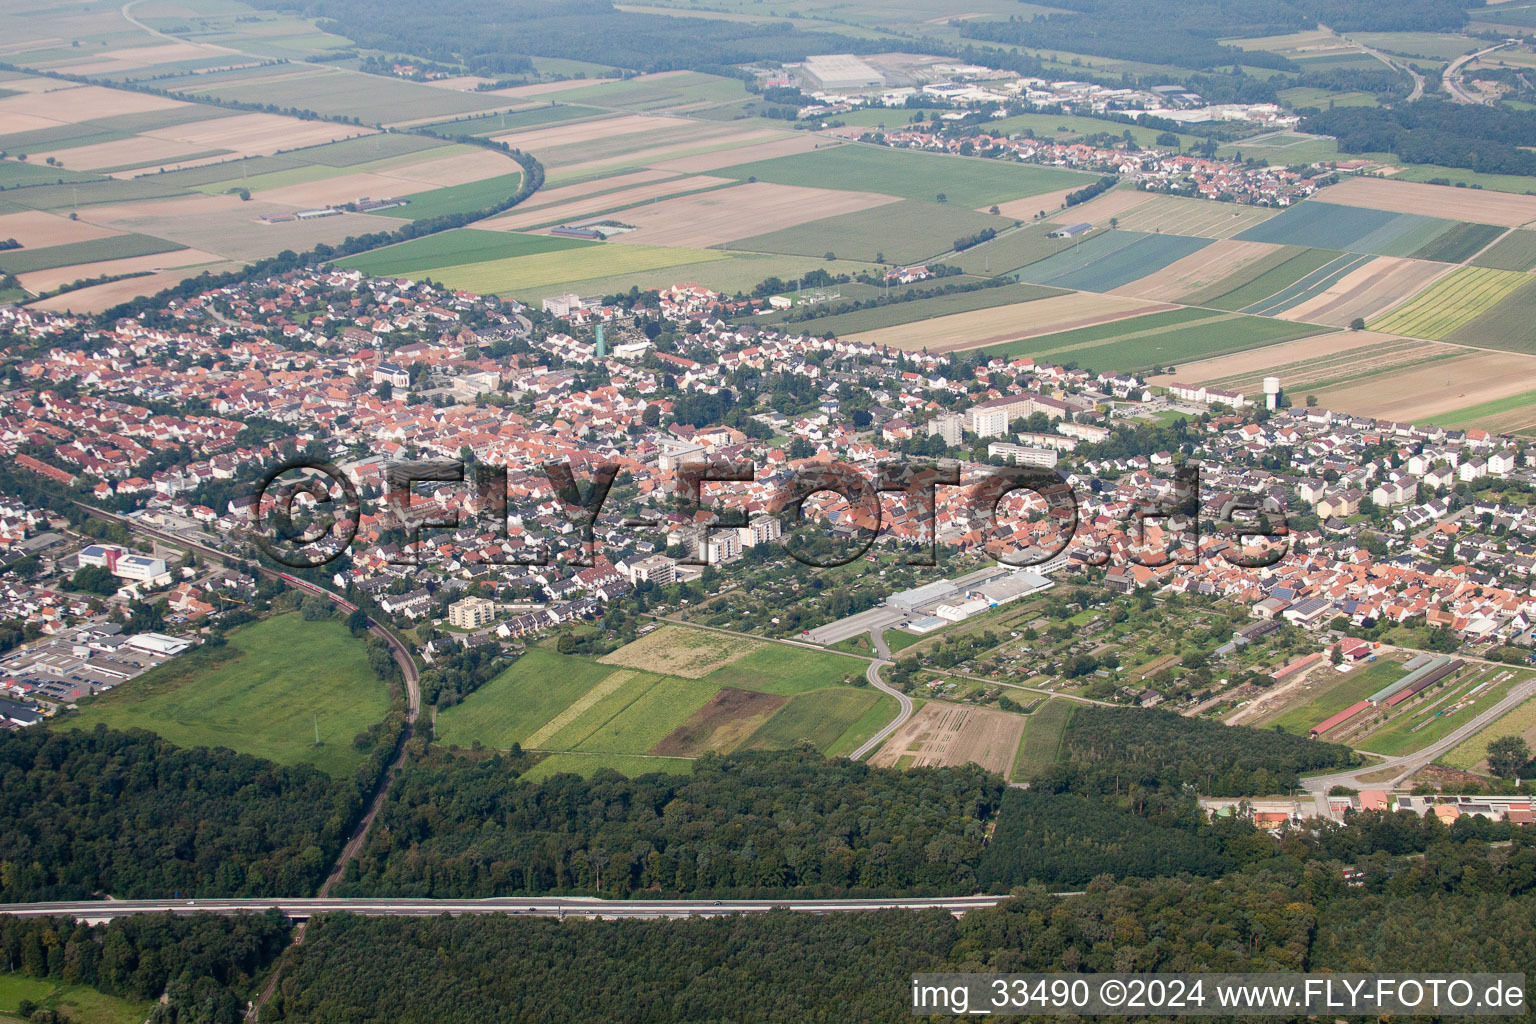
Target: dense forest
x,y
790,822
1115,749
199,962
131,815
1464,906
1490,140
480,34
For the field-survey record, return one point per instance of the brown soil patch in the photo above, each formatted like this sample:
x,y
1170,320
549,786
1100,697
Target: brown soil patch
x,y
1416,393
952,734
1028,207
105,296
1098,211
1482,206
1009,323
75,103
721,725
754,208
456,168
138,150
257,134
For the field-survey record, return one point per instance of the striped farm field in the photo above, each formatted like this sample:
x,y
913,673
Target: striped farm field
x,y
1453,302
1307,287
1306,370
1507,325
1515,251
1512,414
1111,260
553,268
1263,278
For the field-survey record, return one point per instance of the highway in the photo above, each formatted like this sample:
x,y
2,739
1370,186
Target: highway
x,y
872,673
528,906
1452,76
1407,69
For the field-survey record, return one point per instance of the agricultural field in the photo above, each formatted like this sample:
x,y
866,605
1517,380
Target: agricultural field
x,y
521,274
1041,743
1420,721
728,272
1326,692
1455,301
1351,228
1431,388
1506,326
1310,363
949,734
1200,217
1110,260
258,695
1308,287
1513,414
905,232
1519,721
910,175
670,695
96,250
1515,251
460,247
1200,270
1482,206
577,209
1460,243
1010,323
1363,291
1261,278
1012,249
76,1003
897,313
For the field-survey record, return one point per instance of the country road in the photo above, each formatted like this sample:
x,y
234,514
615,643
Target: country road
x,y
872,673
527,906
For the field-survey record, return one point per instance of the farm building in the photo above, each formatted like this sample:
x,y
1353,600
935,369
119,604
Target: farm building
x,y
1071,230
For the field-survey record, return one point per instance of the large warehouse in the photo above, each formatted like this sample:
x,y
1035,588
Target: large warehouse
x,y
842,71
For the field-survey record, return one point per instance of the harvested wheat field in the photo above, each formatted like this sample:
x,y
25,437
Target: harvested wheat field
x,y
1198,270
951,734
721,725
566,193
35,229
711,218
1435,388
1175,215
258,134
982,327
47,280
520,219
1365,292
1114,203
680,651
1029,206
801,142
105,296
1481,206
657,155
543,88
75,103
456,169
138,150
343,188
534,139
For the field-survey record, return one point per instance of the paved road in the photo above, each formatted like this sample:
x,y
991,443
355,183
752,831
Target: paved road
x,y
1452,76
872,673
1407,764
529,906
1407,69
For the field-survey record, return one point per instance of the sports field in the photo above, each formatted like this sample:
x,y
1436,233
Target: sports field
x,y
258,695
460,247
911,175
1453,302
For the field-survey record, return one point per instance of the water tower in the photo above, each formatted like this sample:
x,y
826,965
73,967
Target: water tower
x,y
1271,392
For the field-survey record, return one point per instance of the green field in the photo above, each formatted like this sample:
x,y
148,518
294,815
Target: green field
x,y
372,99
512,706
1013,250
14,173
1507,325
818,717
906,232
1041,743
78,1003
922,309
1459,244
1263,278
262,694
470,198
629,765
1069,126
736,273
1143,342
1517,721
1472,415
1400,737
1356,686
115,247
1515,251
1451,303
786,670
879,715
542,270
459,247
963,181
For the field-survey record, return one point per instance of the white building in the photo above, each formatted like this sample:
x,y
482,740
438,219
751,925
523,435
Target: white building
x,y
471,613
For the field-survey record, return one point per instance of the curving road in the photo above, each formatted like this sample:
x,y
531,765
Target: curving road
x,y
1407,69
527,906
872,673
1452,76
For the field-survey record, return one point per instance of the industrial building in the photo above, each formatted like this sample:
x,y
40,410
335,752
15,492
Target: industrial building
x,y
835,71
